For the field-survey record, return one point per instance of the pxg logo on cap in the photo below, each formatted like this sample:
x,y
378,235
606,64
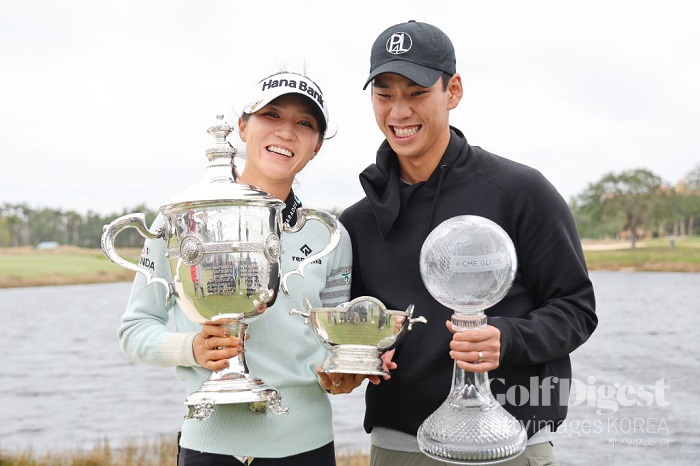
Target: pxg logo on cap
x,y
398,43
418,51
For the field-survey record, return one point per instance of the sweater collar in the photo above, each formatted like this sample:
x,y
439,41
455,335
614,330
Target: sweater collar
x,y
290,213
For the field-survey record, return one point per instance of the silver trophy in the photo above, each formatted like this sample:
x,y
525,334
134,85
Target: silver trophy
x,y
223,247
468,264
358,333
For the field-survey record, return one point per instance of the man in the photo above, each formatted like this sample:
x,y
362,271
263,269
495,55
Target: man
x,y
425,173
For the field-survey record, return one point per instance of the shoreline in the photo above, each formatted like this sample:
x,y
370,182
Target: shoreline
x,y
127,276
609,256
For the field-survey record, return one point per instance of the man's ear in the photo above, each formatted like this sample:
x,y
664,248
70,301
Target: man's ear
x,y
456,91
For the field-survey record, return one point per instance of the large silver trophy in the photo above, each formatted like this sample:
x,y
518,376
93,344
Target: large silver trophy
x,y
358,333
223,247
468,264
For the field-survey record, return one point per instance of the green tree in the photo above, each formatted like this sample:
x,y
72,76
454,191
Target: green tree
x,y
17,217
629,199
691,198
46,225
5,237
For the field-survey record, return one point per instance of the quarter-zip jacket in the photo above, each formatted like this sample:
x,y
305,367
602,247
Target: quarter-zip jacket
x,y
548,312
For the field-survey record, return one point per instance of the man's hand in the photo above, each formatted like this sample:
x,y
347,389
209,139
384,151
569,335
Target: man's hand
x,y
476,350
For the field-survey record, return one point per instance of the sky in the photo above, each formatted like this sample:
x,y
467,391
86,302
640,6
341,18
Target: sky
x,y
104,106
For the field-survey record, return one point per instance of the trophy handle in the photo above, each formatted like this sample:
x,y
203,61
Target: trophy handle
x,y
333,226
306,315
412,320
137,222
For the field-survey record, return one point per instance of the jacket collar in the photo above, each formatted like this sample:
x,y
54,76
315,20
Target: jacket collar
x,y
381,181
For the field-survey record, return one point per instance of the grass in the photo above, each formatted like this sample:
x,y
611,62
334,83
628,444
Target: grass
x,y
653,255
65,265
156,452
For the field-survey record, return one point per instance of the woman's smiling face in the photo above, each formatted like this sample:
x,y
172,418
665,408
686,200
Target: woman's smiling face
x,y
281,138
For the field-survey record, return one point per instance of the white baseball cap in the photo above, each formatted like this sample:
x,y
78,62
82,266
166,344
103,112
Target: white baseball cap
x,y
270,88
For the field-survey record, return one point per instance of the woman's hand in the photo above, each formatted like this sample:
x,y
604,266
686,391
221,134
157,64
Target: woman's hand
x,y
214,345
336,384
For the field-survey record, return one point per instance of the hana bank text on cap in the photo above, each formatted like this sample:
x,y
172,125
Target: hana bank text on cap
x,y
417,51
280,84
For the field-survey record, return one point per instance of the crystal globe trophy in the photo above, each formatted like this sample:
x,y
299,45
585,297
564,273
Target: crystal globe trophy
x,y
468,263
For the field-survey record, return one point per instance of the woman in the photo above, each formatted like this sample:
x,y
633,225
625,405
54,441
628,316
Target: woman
x,y
283,128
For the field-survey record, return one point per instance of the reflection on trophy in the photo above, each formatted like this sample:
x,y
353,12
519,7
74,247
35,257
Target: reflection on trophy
x,y
468,264
223,247
358,333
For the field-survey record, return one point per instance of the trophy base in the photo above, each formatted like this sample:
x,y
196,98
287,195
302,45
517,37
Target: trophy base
x,y
473,435
200,404
354,359
467,462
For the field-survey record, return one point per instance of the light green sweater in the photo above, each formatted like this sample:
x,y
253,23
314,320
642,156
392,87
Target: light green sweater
x,y
282,351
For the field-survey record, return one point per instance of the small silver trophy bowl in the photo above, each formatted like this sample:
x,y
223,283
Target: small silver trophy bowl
x,y
223,248
358,333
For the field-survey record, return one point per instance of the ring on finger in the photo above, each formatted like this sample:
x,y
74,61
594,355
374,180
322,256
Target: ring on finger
x,y
337,383
481,357
206,342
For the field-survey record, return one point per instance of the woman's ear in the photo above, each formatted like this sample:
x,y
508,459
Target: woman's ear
x,y
317,148
242,129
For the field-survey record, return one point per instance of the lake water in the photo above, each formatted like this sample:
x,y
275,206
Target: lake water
x,y
64,382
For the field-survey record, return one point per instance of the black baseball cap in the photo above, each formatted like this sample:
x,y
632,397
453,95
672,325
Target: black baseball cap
x,y
417,51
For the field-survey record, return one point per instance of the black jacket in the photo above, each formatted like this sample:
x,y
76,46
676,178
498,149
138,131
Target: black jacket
x,y
548,312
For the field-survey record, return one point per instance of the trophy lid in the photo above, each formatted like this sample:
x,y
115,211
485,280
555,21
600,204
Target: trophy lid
x,y
219,185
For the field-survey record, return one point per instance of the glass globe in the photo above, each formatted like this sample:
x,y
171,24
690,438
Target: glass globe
x,y
468,263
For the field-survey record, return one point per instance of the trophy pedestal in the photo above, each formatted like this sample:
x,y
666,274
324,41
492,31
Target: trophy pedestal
x,y
471,427
234,384
354,359
473,431
246,389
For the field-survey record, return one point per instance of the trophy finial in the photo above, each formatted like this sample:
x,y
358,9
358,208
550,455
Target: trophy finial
x,y
221,149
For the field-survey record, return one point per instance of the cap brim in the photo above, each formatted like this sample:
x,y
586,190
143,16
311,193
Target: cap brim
x,y
421,75
258,100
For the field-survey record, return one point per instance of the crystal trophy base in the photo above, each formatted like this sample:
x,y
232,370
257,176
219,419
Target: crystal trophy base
x,y
471,435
